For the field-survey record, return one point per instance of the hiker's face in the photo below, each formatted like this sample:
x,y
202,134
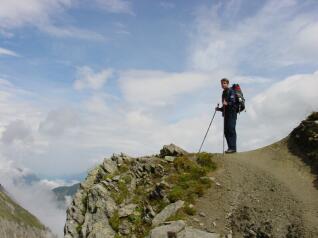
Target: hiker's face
x,y
224,85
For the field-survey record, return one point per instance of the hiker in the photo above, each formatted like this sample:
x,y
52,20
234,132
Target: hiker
x,y
229,112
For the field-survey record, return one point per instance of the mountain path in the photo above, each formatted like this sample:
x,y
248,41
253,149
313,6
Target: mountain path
x,y
262,193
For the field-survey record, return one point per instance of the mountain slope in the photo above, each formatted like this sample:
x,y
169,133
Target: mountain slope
x,y
15,221
268,192
64,191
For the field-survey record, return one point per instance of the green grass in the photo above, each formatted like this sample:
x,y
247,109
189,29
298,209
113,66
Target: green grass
x,y
114,221
189,210
188,182
206,160
179,215
127,178
120,196
123,168
12,211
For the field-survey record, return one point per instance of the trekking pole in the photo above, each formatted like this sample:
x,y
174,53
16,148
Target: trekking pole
x,y
207,130
223,126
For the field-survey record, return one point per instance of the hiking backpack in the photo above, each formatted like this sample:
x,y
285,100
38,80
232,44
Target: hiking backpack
x,y
239,98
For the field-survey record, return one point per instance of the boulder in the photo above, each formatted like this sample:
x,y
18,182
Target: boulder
x,y
189,232
127,210
172,227
99,199
124,228
109,166
170,158
172,150
91,178
168,211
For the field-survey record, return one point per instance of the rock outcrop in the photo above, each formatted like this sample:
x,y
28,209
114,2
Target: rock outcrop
x,y
136,197
303,142
172,150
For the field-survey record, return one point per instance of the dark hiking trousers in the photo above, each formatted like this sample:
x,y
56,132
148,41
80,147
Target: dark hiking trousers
x,y
229,128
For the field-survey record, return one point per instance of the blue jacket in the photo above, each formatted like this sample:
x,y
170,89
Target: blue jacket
x,y
229,96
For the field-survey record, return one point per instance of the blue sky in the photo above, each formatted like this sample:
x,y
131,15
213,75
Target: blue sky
x,y
83,79
139,40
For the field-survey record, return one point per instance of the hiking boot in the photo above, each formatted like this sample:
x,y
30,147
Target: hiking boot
x,y
230,151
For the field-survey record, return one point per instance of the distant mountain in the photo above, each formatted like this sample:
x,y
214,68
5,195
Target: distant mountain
x,y
15,221
65,191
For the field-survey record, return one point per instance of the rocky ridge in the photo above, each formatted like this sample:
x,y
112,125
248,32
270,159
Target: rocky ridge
x,y
147,196
303,141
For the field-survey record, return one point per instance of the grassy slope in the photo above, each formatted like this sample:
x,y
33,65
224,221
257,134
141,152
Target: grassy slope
x,y
11,211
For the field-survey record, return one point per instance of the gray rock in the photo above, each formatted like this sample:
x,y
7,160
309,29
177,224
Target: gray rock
x,y
150,210
132,185
162,231
172,150
109,166
168,211
158,192
90,179
159,170
117,158
196,233
170,158
127,210
202,214
121,158
101,229
96,224
124,228
116,178
147,168
74,213
99,199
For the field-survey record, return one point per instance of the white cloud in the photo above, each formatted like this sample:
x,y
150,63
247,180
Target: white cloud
x,y
167,5
13,100
16,132
158,87
44,15
7,52
36,197
51,184
276,111
30,12
278,34
69,32
87,79
306,40
116,6
59,121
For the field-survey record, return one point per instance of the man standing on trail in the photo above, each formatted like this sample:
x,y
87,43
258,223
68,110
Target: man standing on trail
x,y
229,112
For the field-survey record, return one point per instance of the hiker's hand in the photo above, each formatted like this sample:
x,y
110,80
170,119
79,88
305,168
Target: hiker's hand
x,y
217,108
225,103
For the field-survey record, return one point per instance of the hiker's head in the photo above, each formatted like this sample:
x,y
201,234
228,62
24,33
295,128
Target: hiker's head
x,y
225,83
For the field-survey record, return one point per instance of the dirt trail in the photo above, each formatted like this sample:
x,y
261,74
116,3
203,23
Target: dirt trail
x,y
262,193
